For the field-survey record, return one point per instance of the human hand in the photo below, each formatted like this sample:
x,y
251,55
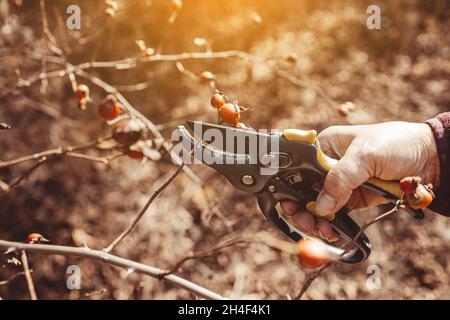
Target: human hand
x,y
389,151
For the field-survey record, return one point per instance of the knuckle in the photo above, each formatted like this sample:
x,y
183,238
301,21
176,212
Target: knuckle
x,y
336,180
328,132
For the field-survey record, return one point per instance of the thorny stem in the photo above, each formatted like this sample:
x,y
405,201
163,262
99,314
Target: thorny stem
x,y
309,280
107,258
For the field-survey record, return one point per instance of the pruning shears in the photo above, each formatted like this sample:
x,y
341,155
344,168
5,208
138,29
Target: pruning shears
x,y
277,166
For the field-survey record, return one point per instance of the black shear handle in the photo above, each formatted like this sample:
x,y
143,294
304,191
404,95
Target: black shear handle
x,y
342,223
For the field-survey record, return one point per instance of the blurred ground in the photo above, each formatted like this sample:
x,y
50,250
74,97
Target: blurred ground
x,y
400,72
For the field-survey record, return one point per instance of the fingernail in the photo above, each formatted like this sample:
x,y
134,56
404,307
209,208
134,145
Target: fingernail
x,y
325,205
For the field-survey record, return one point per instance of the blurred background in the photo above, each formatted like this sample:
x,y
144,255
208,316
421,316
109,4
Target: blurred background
x,y
400,72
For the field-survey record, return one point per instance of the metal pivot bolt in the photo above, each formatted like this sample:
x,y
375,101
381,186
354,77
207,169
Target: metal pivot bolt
x,y
247,179
271,188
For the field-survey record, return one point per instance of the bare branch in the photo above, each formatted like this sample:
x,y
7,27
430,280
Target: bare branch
x,y
52,152
107,258
26,270
133,223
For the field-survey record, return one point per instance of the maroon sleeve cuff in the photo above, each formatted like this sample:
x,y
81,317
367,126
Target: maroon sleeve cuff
x,y
440,125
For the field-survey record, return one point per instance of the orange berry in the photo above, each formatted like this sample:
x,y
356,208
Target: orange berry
x,y
312,253
207,76
217,100
230,113
176,5
127,131
421,198
109,109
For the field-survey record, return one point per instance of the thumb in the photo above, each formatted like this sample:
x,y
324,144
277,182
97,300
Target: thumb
x,y
352,170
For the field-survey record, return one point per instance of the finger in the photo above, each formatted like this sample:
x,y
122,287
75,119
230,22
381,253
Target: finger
x,y
363,198
325,230
289,207
334,237
350,172
335,140
305,221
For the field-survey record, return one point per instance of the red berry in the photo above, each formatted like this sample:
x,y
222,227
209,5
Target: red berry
x,y
127,131
82,91
312,253
135,154
36,238
109,109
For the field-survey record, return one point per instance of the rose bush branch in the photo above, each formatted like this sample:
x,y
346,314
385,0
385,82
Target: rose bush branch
x,y
133,223
99,255
130,63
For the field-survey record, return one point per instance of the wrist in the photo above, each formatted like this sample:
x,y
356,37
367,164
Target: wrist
x,y
432,168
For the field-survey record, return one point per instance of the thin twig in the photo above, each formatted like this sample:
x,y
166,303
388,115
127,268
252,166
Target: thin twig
x,y
107,258
18,274
52,152
26,270
25,175
314,275
262,237
133,223
130,63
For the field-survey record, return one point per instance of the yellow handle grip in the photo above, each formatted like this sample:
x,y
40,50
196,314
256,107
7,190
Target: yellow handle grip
x,y
391,187
310,136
